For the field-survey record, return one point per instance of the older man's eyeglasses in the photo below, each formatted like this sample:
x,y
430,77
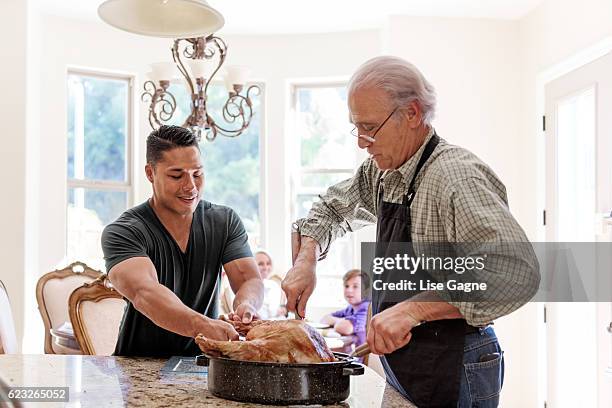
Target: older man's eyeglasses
x,y
355,131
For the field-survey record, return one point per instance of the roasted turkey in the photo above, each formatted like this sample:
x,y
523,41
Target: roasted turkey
x,y
283,341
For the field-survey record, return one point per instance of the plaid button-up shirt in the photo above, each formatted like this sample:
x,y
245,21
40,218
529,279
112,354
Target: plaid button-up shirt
x,y
459,199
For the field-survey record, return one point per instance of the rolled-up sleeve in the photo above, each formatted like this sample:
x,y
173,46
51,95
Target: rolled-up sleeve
x,y
474,214
345,207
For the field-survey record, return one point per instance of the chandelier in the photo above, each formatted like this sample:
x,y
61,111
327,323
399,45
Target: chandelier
x,y
197,54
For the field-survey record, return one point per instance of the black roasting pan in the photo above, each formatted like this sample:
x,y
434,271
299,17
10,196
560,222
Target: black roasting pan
x,y
281,383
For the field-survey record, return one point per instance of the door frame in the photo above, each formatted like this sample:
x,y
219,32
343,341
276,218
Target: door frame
x,y
555,71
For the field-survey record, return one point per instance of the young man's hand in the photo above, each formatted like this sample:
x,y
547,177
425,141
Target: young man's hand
x,y
215,329
245,313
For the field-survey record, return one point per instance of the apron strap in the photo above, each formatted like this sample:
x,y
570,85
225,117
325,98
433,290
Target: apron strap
x,y
429,148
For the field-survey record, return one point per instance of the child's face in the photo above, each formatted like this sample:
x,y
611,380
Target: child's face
x,y
352,290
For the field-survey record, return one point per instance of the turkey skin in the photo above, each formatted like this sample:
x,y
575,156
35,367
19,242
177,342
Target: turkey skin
x,y
281,341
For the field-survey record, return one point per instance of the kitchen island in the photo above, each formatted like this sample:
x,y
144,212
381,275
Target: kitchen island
x,y
95,381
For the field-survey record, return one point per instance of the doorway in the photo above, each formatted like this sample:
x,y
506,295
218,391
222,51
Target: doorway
x,y
578,128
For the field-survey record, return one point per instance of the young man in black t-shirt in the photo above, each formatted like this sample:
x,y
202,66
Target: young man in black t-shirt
x,y
165,256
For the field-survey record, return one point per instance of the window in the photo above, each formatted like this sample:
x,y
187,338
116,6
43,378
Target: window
x,y
231,165
99,179
576,166
327,154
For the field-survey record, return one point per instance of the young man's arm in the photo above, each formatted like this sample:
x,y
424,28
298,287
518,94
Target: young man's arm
x,y
136,279
246,283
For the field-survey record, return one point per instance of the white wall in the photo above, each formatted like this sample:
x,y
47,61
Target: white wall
x,y
32,180
13,108
19,149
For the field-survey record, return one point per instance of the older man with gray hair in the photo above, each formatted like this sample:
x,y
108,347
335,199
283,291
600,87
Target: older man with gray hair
x,y
418,188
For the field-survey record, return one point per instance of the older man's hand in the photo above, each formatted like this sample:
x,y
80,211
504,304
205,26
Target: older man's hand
x,y
390,329
300,281
299,284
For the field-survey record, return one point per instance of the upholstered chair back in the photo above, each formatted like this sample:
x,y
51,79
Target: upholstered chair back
x,y
52,293
96,310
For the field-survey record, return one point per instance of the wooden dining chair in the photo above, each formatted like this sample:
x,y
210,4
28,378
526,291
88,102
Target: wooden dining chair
x,y
96,310
52,292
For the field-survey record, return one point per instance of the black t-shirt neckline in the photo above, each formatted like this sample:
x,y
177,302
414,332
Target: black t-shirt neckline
x,y
195,215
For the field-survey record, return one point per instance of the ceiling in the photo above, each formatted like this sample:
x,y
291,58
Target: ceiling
x,y
318,16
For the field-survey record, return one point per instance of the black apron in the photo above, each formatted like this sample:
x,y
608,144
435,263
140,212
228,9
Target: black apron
x,y
428,368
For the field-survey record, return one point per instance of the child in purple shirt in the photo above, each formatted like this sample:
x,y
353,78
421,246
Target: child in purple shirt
x,y
352,319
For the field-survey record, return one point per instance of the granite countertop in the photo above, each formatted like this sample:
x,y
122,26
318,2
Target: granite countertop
x,y
96,381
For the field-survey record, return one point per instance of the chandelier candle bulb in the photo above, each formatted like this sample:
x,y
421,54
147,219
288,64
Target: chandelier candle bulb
x,y
163,71
229,85
199,68
237,74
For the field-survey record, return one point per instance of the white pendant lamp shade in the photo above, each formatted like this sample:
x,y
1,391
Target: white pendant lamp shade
x,y
162,18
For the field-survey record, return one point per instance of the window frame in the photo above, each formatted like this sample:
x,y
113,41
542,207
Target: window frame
x,y
263,164
297,171
126,186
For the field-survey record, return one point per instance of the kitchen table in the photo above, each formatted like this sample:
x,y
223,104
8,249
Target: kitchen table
x,y
95,381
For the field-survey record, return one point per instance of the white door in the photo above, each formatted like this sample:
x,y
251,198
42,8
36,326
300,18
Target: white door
x,y
578,204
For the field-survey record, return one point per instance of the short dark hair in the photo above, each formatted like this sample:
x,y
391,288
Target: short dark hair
x,y
167,138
